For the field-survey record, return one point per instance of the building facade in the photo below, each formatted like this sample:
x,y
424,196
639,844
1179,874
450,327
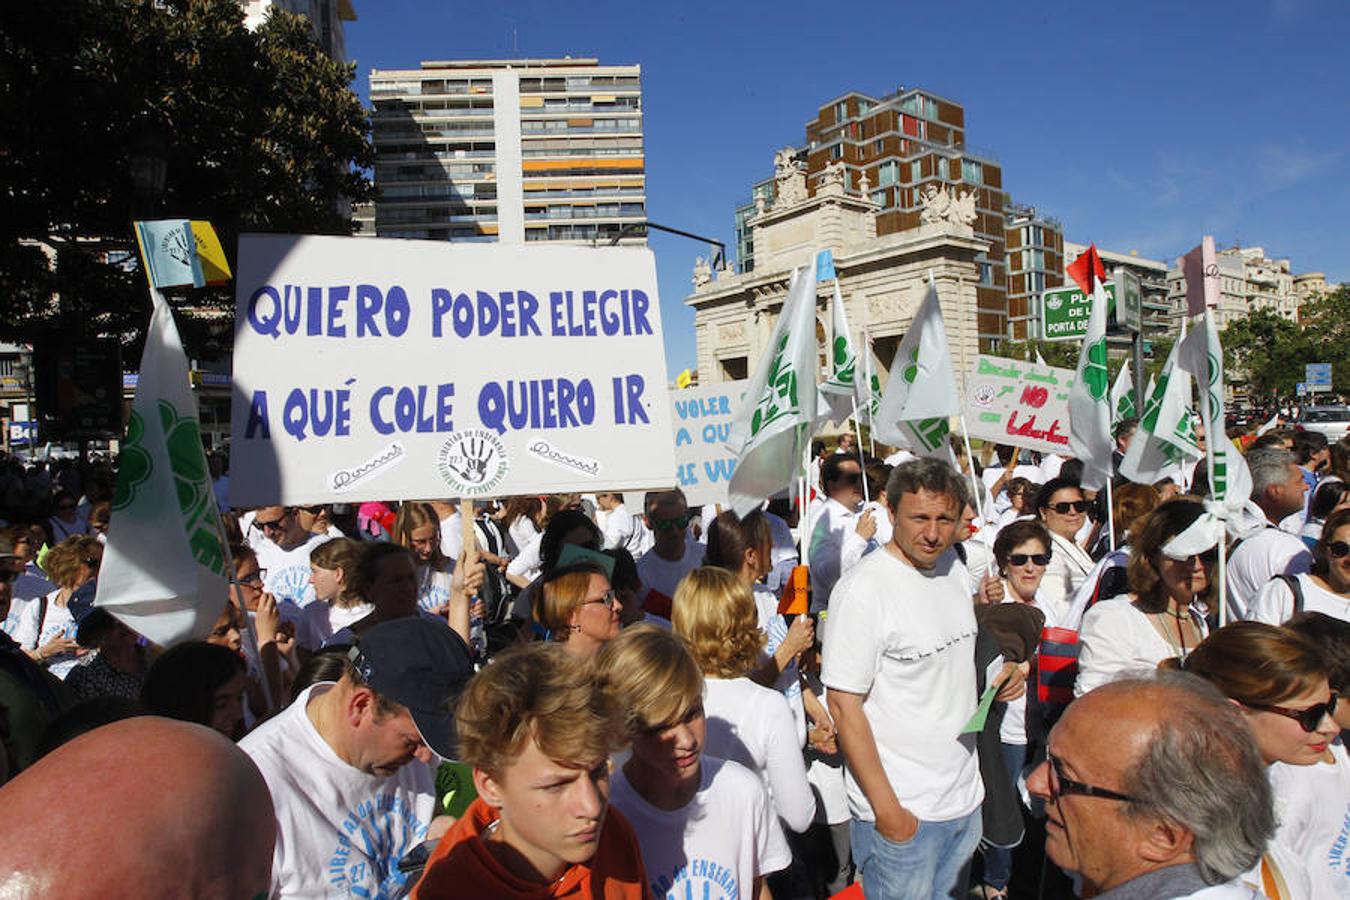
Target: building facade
x,y
900,148
882,278
1152,273
1250,280
510,151
327,20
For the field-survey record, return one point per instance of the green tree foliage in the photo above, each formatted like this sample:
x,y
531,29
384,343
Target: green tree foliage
x,y
1063,354
1269,352
259,131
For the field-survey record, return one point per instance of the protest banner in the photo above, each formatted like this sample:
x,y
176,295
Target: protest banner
x,y
702,418
392,370
1009,401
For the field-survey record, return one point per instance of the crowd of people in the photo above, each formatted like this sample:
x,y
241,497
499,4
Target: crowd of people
x,y
999,690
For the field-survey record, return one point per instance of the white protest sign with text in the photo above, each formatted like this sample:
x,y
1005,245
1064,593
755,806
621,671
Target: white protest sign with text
x,y
1009,401
702,418
379,369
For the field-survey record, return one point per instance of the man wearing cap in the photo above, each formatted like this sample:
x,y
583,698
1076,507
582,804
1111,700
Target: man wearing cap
x,y
348,762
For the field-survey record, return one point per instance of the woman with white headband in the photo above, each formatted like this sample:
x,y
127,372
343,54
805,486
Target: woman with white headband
x,y
1171,574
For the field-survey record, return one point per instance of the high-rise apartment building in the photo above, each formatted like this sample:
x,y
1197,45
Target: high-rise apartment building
x,y
1035,259
510,151
326,18
898,148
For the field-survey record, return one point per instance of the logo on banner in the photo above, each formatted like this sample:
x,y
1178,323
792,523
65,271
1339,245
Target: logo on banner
x,y
472,462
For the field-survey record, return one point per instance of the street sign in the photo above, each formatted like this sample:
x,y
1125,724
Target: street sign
x,y
1064,312
1130,309
1301,388
1318,376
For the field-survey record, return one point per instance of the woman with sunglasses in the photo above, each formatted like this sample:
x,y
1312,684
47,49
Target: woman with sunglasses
x,y
753,725
1062,508
1164,617
1279,682
47,629
1325,588
579,608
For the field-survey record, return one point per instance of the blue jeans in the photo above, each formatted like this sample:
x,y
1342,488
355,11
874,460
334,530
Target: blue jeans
x,y
998,860
930,865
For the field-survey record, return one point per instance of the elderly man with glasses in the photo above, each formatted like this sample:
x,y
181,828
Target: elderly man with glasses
x,y
1153,787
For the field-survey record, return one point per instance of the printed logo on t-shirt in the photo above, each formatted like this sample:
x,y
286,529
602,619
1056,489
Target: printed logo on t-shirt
x,y
698,879
374,837
433,596
1336,859
291,583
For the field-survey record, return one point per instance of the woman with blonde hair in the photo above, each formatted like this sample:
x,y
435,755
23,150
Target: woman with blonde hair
x,y
47,629
1279,681
418,528
715,612
579,608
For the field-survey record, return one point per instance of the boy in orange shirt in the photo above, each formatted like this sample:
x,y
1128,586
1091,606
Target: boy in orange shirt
x,y
538,730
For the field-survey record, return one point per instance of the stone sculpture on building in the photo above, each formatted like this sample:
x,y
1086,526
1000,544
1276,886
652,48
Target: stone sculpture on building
x,y
941,207
789,180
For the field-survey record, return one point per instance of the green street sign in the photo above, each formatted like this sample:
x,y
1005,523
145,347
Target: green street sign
x,y
1064,312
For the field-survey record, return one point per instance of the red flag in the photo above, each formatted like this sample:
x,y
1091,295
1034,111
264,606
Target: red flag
x,y
1082,270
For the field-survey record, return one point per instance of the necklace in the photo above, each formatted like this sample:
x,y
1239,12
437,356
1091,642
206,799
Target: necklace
x,y
1180,645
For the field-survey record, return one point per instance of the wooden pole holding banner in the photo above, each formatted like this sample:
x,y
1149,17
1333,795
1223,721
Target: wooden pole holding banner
x,y
970,461
470,540
1110,515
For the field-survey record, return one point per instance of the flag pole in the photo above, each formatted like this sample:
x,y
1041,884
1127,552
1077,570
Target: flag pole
x,y
867,379
1110,517
857,433
970,461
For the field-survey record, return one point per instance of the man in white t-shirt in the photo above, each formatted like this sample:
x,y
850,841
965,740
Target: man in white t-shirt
x,y
622,528
284,553
1277,490
348,762
899,665
1154,787
672,556
842,478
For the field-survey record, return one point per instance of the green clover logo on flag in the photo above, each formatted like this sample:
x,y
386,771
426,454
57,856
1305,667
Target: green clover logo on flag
x,y
1095,376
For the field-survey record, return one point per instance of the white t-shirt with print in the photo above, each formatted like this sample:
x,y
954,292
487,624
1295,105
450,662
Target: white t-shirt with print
x,y
36,629
714,846
905,639
340,831
659,574
288,570
1313,805
753,725
1275,603
433,588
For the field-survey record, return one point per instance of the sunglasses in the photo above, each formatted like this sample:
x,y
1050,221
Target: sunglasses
x,y
667,524
274,525
64,508
1070,506
252,578
1062,785
1338,549
7,575
850,477
1209,557
1020,559
608,598
1307,719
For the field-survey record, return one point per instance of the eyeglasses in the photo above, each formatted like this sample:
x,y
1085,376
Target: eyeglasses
x,y
608,598
1020,559
668,524
1338,549
1307,719
1072,505
1062,785
252,578
274,525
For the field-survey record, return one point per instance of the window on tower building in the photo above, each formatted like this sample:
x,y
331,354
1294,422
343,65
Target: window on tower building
x,y
888,173
837,151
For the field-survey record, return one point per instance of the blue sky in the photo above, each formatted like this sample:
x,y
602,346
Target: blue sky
x,y
1141,126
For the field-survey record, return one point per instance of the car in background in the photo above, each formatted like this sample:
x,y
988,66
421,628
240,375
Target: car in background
x,y
1333,421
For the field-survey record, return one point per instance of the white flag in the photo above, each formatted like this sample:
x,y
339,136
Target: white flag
x,y
920,395
165,566
773,425
1166,435
838,393
1123,405
1089,403
1230,481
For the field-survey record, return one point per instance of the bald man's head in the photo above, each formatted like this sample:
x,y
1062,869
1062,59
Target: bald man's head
x,y
145,807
